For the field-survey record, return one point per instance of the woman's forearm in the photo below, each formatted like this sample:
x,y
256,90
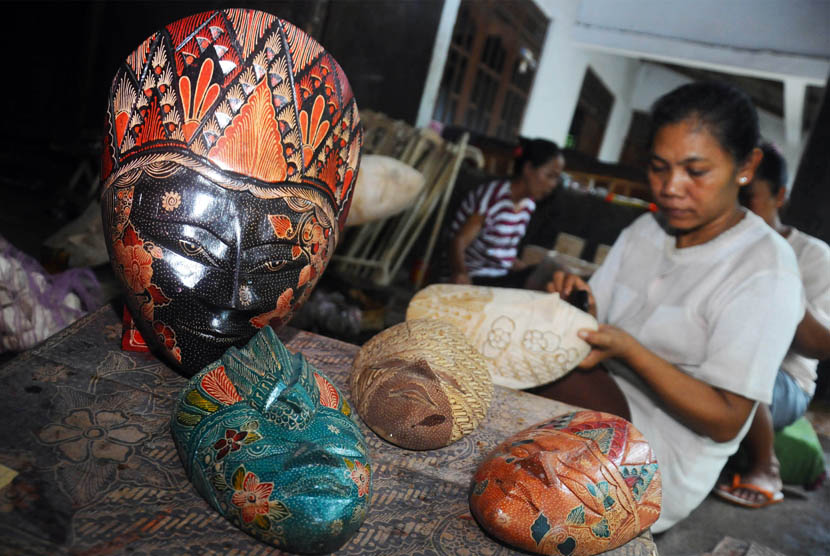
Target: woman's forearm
x,y
707,410
457,265
812,339
463,238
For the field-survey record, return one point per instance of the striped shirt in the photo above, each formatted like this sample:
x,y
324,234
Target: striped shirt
x,y
494,250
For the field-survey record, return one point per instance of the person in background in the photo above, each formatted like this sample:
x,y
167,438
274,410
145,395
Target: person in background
x,y
795,382
697,303
492,219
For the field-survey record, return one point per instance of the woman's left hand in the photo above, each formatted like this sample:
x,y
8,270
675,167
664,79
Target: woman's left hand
x,y
607,341
517,265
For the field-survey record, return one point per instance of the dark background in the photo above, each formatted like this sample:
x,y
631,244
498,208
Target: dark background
x,y
60,58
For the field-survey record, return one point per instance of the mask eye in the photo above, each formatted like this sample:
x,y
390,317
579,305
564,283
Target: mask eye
x,y
271,266
193,249
190,248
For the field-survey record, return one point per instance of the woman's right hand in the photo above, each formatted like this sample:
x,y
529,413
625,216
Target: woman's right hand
x,y
565,284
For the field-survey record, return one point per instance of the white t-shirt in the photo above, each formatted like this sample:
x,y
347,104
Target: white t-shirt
x,y
724,312
814,263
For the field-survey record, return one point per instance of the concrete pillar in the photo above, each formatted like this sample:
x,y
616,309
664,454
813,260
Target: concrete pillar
x,y
443,38
794,92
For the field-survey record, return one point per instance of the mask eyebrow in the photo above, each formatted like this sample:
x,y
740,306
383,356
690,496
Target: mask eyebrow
x,y
199,226
275,243
193,225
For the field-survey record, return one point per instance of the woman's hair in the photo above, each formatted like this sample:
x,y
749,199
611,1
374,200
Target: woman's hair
x,y
726,111
535,151
772,169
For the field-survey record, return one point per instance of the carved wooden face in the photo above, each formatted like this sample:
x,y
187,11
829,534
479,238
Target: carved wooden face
x,y
409,405
527,338
271,443
232,145
205,267
420,385
582,483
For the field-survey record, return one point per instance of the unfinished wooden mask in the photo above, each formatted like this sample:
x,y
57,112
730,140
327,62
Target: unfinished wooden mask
x,y
231,149
578,484
528,338
270,443
420,385
385,187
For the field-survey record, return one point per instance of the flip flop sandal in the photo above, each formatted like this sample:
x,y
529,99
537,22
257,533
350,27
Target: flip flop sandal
x,y
728,493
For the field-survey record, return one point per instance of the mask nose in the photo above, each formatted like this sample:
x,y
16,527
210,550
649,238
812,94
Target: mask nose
x,y
293,409
243,294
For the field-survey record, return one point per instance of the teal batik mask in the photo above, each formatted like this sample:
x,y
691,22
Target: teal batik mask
x,y
270,443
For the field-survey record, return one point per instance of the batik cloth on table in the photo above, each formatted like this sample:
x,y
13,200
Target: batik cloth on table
x,y
87,429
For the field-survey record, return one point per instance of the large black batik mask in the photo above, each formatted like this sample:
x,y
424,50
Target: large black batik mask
x,y
232,148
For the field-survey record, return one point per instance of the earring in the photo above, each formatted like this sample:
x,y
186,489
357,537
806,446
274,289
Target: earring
x,y
742,179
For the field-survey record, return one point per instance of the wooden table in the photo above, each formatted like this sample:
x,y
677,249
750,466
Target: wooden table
x,y
86,427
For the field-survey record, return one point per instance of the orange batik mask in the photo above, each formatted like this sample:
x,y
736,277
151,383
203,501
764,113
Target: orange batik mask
x,y
581,483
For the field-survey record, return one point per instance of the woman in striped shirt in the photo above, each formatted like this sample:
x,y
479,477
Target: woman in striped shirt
x,y
493,218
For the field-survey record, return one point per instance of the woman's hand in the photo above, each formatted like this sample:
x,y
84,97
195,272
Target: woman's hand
x,y
812,339
565,284
461,278
607,341
517,265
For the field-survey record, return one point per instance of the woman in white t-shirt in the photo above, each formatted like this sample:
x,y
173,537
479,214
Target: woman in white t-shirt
x,y
795,382
697,303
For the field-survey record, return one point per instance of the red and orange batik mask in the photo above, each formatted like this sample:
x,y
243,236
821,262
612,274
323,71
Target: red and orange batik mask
x,y
232,146
578,484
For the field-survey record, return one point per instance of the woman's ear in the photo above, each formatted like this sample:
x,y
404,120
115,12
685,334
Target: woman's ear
x,y
781,196
747,170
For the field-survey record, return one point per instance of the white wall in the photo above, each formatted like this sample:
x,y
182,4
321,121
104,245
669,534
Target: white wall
x,y
653,81
562,67
785,40
634,84
786,26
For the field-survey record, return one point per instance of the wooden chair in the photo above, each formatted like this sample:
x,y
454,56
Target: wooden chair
x,y
383,135
376,250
